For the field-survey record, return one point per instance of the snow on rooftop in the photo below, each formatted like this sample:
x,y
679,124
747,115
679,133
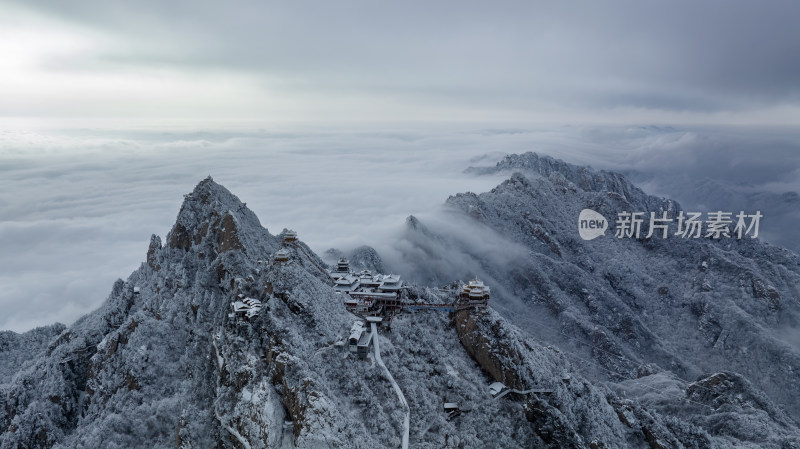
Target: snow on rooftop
x,y
496,387
247,306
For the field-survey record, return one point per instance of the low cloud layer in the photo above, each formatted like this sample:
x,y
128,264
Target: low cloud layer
x,y
78,206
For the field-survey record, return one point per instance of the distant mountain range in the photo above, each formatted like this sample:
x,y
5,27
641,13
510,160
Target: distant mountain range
x,y
781,209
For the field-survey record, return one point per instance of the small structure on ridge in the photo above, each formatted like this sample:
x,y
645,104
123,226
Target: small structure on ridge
x,y
282,255
290,236
245,308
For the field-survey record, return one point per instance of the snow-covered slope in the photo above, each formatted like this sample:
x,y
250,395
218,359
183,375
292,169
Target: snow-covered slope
x,y
686,307
17,349
162,364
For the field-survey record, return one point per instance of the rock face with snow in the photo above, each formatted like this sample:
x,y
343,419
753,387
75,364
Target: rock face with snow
x,y
361,258
366,258
624,308
165,363
16,349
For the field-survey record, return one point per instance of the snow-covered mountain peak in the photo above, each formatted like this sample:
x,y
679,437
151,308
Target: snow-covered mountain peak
x,y
212,219
573,177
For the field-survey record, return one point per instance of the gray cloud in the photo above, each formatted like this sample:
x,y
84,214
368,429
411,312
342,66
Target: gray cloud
x,y
510,56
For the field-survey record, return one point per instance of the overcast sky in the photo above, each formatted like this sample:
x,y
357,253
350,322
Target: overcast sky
x,y
110,111
693,62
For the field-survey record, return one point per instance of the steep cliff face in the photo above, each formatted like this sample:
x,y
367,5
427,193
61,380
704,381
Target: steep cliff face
x,y
164,364
567,410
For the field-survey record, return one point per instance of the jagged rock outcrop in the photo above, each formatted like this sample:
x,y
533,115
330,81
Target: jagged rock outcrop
x,y
366,258
122,374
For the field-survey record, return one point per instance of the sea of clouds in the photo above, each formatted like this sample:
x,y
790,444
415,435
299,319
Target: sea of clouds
x,y
78,205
